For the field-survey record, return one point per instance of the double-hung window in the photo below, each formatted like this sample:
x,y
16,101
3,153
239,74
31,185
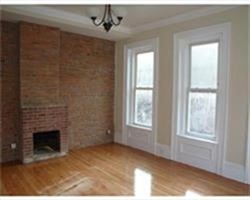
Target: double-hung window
x,y
143,88
201,75
140,94
202,89
140,81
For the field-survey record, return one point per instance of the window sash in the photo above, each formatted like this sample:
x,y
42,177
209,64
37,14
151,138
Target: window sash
x,y
190,60
134,88
144,88
199,90
136,69
200,134
203,90
133,112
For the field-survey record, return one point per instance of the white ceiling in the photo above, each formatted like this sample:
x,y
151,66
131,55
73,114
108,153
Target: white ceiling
x,y
74,18
137,15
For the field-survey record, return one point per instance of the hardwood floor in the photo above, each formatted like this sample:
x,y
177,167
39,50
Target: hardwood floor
x,y
113,169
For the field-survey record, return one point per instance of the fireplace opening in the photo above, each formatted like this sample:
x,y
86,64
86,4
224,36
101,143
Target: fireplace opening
x,y
46,142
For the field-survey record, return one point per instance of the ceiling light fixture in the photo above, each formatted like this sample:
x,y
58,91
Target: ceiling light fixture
x,y
107,19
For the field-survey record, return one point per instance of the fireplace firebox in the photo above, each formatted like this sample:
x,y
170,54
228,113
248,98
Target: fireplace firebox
x,y
44,132
46,142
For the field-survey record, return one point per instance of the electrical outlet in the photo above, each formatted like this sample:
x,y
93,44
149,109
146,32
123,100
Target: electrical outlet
x,y
13,146
108,132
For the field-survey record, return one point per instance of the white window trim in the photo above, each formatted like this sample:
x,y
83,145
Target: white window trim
x,y
126,89
132,121
247,168
247,179
223,31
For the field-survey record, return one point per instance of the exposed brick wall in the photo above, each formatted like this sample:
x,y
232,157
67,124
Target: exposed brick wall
x,y
0,118
10,96
1,61
45,67
39,64
87,87
42,119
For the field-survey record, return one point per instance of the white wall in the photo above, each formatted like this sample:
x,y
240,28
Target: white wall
x,y
238,98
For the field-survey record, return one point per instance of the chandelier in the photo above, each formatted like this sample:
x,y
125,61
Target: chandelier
x,y
108,20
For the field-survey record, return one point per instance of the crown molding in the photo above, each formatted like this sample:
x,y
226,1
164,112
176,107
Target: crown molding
x,y
81,24
182,17
64,18
126,2
58,15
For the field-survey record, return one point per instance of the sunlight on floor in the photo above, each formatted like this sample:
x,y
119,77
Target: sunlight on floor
x,y
190,193
142,183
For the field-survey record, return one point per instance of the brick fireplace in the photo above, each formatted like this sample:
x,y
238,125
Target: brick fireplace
x,y
54,81
42,110
43,119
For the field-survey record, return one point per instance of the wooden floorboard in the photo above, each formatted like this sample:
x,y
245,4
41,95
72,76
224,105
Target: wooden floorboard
x,y
113,169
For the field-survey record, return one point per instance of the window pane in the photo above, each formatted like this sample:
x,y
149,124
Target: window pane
x,y
204,65
202,110
143,107
145,66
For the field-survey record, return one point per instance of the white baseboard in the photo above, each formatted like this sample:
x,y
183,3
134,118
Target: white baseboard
x,y
230,170
118,138
234,171
163,151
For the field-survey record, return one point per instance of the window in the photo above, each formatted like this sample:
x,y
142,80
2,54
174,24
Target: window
x,y
144,88
202,89
140,80
200,82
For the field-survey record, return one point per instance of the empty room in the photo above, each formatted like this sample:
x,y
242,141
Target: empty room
x,y
126,99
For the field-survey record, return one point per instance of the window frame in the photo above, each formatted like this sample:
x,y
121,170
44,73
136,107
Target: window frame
x,y
221,33
139,46
134,88
189,90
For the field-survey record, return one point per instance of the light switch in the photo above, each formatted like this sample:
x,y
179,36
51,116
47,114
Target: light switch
x,y
13,146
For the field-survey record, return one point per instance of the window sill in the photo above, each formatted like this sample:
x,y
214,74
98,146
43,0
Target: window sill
x,y
139,127
198,139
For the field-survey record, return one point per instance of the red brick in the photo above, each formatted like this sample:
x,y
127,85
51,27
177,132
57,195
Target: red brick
x,y
48,69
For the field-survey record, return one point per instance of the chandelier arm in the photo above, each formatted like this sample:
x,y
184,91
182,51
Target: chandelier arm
x,y
97,24
103,18
112,20
109,13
